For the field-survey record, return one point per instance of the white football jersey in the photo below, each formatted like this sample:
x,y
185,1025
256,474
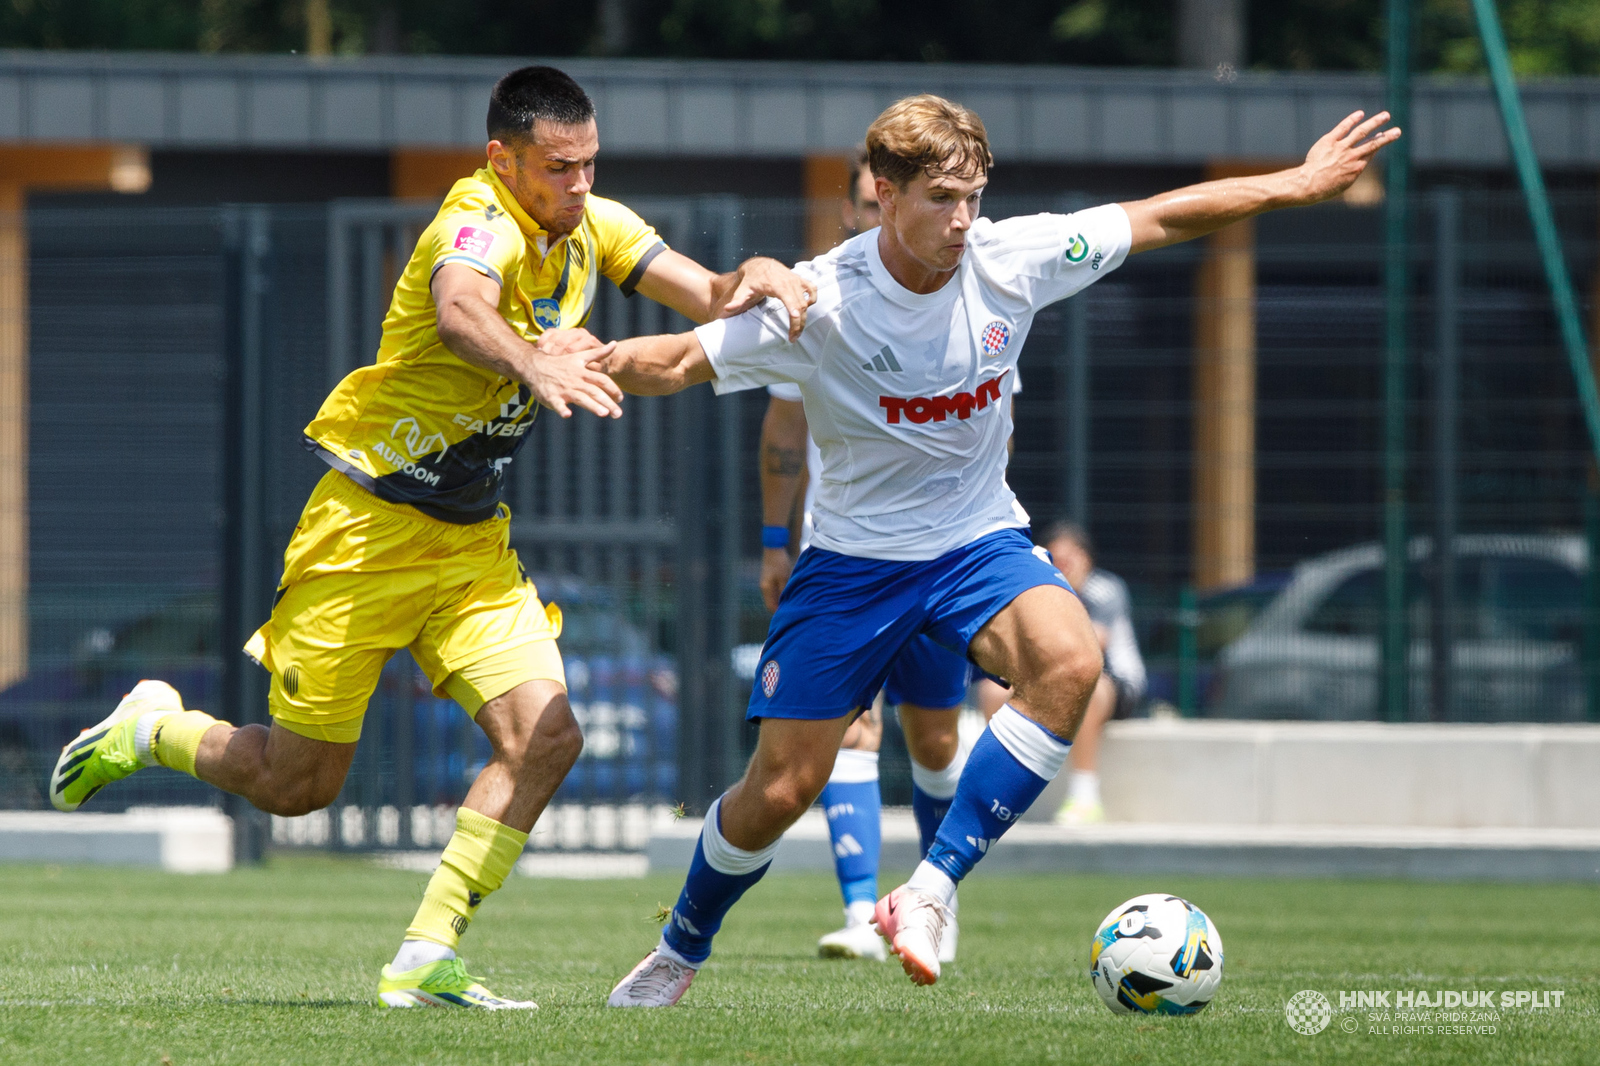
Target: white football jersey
x,y
903,391
788,390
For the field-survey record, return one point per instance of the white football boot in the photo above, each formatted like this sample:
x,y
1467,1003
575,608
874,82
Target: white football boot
x,y
914,924
659,981
857,940
947,943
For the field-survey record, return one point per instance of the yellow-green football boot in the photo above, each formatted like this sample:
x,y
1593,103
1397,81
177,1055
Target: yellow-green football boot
x,y
111,750
444,983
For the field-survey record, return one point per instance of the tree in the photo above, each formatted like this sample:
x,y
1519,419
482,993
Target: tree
x,y
1547,37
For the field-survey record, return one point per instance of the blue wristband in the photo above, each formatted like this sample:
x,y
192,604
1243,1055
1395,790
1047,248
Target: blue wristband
x,y
774,536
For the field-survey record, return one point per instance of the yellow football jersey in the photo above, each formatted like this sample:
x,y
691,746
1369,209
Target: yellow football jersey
x,y
421,426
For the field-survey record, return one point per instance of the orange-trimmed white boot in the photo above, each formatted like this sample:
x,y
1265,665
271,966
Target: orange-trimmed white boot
x,y
913,923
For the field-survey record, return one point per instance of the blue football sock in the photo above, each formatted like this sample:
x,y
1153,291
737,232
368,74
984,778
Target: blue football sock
x,y
1009,766
931,792
718,875
853,806
929,813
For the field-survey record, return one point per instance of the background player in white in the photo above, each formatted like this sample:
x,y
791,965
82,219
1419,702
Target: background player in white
x,y
927,683
916,530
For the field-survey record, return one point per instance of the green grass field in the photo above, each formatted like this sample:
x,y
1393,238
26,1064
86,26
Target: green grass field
x,y
278,965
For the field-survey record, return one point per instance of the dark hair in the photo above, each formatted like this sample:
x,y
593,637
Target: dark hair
x,y
1071,531
525,96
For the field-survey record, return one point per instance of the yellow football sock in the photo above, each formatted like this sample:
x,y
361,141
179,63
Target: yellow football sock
x,y
480,855
176,739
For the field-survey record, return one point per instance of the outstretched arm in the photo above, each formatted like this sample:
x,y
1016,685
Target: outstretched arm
x,y
656,366
700,296
1331,167
552,367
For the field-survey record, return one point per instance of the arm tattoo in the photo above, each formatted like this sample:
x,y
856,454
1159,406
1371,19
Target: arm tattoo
x,y
784,462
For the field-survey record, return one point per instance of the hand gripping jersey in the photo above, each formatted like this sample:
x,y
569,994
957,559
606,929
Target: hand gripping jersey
x,y
423,427
903,391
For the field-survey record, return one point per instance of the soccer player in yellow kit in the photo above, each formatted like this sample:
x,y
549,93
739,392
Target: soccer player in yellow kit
x,y
404,542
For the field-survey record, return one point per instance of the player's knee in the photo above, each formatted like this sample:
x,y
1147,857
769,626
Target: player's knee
x,y
1080,665
301,795
547,736
1065,665
566,742
790,796
933,750
554,743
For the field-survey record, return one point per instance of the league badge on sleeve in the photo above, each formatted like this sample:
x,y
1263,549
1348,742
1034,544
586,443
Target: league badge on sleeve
x,y
769,678
996,335
546,313
474,241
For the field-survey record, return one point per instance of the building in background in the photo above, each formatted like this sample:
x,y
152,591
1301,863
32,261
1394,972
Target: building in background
x,y
1196,444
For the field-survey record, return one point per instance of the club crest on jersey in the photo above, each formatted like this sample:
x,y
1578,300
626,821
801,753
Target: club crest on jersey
x,y
546,313
769,678
474,241
994,338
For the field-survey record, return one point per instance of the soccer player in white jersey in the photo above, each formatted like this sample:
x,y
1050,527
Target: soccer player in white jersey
x,y
916,530
927,683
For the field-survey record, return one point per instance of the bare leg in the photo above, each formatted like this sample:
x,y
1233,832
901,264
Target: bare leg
x,y
931,736
1102,704
535,740
278,771
866,732
791,763
1043,641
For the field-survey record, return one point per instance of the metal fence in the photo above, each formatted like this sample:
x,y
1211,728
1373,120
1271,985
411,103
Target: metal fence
x,y
176,355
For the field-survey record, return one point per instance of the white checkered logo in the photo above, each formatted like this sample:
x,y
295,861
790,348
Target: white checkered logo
x,y
1308,1012
769,677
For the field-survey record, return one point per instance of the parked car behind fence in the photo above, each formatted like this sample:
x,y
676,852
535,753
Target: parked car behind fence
x,y
1313,652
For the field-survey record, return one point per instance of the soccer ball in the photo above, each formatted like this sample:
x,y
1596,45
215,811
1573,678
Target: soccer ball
x,y
1156,954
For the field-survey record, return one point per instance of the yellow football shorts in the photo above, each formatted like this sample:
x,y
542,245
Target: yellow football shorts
x,y
364,578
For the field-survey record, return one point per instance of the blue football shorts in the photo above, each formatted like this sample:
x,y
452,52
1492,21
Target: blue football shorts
x,y
843,622
926,674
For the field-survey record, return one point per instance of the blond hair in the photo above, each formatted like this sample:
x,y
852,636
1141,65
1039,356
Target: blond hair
x,y
930,135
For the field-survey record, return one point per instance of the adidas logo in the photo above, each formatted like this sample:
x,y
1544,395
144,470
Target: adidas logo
x,y
847,846
883,361
981,844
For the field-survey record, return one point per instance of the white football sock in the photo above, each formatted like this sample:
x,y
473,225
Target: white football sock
x,y
934,881
414,953
143,731
722,856
940,784
664,948
853,767
858,913
1083,786
1031,744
